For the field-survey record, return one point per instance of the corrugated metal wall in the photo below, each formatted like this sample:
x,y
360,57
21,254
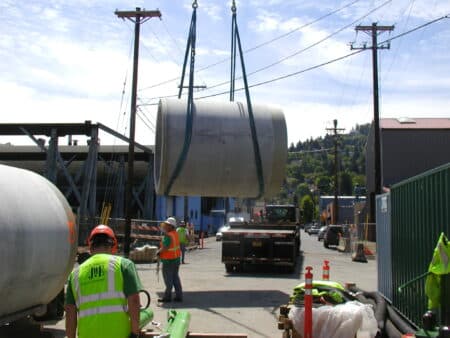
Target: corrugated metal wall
x,y
384,245
420,212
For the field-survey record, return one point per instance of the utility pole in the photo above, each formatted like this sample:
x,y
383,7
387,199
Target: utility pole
x,y
373,32
335,130
138,17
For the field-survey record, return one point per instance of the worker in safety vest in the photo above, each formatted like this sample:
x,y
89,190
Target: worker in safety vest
x,y
102,299
169,254
184,239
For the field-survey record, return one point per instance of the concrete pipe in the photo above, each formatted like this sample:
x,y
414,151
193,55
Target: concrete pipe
x,y
38,241
220,160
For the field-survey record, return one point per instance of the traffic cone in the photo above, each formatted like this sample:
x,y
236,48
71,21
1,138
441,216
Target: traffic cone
x,y
325,270
308,303
359,256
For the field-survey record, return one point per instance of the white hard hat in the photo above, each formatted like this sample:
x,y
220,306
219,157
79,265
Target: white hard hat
x,y
171,221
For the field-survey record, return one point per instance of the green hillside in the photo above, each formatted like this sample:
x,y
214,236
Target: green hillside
x,y
310,166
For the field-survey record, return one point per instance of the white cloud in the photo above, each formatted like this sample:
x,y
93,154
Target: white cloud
x,y
213,11
63,66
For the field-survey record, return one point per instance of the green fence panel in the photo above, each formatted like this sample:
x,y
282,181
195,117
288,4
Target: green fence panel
x,y
420,212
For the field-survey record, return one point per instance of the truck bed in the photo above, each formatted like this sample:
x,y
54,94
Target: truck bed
x,y
259,231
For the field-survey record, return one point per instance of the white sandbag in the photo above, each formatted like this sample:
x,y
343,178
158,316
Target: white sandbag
x,y
340,321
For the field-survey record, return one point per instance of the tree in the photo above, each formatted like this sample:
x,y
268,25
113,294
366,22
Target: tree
x,y
323,184
307,207
303,190
345,183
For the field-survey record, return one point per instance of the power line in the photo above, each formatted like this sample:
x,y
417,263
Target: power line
x,y
320,41
139,114
282,77
260,45
310,151
306,48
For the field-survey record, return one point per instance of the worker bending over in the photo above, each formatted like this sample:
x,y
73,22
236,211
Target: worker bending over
x,y
102,298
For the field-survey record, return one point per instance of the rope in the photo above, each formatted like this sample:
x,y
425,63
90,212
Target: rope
x,y
256,150
190,103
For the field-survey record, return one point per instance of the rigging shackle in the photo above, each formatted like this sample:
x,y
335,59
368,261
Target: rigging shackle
x,y
233,6
194,4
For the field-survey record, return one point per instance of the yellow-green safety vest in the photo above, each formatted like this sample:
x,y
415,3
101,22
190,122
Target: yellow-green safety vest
x,y
440,265
97,286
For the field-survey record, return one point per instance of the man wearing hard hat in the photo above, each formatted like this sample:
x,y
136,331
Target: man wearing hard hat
x,y
169,254
102,299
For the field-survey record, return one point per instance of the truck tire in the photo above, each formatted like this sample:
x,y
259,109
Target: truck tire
x,y
229,268
290,269
325,244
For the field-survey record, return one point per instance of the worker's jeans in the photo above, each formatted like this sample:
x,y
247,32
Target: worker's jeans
x,y
183,251
172,279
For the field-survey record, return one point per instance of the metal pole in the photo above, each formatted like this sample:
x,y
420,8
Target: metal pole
x,y
373,30
135,16
376,112
336,181
130,178
445,296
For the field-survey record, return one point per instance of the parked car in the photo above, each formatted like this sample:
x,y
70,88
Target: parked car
x,y
314,230
332,235
307,226
322,232
220,230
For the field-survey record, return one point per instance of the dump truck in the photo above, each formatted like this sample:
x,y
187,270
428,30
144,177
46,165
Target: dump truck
x,y
273,238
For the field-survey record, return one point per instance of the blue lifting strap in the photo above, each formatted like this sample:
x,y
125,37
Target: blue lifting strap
x,y
235,38
190,103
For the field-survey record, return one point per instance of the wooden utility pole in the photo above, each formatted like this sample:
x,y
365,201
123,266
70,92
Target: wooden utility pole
x,y
373,32
138,17
335,130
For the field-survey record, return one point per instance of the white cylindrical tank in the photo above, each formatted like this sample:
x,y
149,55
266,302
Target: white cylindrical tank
x,y
220,160
38,240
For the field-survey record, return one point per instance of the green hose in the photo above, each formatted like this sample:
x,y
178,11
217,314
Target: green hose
x,y
145,317
178,323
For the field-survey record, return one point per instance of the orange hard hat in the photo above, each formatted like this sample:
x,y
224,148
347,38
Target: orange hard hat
x,y
106,230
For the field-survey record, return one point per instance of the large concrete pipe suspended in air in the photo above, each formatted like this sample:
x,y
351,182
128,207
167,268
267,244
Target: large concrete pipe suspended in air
x,y
38,241
220,160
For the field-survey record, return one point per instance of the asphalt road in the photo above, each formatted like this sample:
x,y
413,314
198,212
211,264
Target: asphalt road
x,y
245,302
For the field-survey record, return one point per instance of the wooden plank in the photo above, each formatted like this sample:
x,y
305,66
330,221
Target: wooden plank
x,y
216,335
201,335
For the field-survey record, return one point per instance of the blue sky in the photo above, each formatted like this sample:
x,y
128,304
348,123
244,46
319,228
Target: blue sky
x,y
67,61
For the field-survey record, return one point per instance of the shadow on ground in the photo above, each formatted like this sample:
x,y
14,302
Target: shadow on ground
x,y
230,299
26,329
268,271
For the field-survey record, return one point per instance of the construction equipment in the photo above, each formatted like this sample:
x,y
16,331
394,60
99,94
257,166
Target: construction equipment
x,y
275,240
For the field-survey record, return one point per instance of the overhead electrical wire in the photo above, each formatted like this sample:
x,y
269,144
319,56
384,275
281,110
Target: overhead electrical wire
x,y
139,114
333,60
310,151
297,52
315,66
260,45
394,56
111,175
310,46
